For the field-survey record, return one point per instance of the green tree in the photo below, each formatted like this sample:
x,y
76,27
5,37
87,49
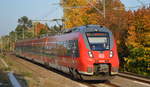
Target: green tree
x,y
42,32
5,43
138,42
13,39
25,22
22,30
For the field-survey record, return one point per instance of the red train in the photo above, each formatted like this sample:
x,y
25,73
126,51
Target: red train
x,y
86,52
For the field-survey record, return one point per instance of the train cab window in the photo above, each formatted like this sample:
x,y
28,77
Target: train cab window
x,y
98,41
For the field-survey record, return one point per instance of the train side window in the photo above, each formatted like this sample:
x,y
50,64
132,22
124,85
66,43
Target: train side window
x,y
75,48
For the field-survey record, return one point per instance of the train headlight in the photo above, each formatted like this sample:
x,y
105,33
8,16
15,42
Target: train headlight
x,y
111,54
90,54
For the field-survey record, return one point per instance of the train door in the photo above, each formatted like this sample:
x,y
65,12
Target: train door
x,y
75,52
75,56
75,49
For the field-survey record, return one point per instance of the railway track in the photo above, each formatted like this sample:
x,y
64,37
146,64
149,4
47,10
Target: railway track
x,y
27,63
87,83
100,84
135,77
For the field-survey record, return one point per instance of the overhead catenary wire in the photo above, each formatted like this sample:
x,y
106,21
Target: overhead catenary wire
x,y
55,19
49,13
130,7
91,5
142,3
103,13
138,6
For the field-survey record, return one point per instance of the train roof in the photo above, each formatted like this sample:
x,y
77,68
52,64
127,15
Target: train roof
x,y
88,28
93,28
81,29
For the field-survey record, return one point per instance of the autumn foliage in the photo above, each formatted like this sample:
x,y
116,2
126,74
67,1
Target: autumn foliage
x,y
131,29
138,41
39,27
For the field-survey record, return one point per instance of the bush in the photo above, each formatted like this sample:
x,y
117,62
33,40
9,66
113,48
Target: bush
x,y
137,62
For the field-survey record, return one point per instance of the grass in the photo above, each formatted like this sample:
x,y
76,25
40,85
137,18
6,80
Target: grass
x,y
7,69
26,74
12,67
2,55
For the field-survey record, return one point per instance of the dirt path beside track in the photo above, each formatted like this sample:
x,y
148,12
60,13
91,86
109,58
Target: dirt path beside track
x,y
37,76
4,81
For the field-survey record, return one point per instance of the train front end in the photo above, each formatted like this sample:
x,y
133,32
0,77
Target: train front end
x,y
98,54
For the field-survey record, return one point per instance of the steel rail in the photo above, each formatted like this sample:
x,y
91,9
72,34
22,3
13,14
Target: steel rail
x,y
121,74
134,77
86,83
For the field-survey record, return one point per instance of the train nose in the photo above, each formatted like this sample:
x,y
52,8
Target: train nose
x,y
101,57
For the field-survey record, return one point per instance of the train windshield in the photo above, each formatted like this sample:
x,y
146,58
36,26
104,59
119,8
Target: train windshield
x,y
98,41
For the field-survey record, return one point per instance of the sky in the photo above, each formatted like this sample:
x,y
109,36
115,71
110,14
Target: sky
x,y
11,10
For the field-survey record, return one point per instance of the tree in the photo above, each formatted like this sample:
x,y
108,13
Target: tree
x,y
5,43
13,38
138,42
42,32
130,28
24,24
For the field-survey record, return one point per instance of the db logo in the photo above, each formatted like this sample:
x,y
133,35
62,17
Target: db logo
x,y
101,55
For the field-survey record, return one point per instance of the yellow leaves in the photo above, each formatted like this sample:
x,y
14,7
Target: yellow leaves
x,y
87,14
141,58
148,67
139,28
132,38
